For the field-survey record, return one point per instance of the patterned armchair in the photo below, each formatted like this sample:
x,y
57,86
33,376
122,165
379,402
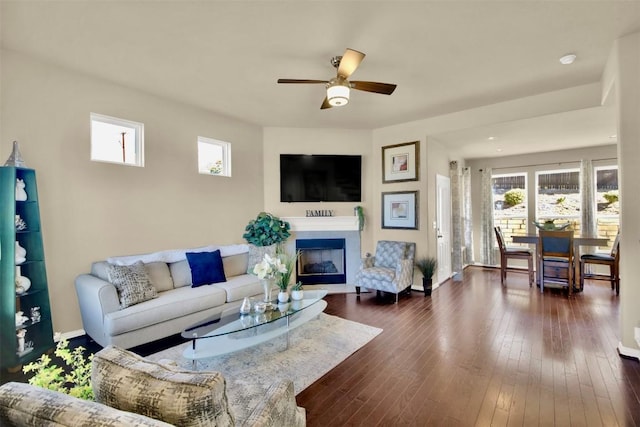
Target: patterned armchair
x,y
390,270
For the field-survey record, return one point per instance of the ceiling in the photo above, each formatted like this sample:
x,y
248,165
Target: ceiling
x,y
445,57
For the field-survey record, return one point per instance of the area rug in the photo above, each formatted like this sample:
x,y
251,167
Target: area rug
x,y
314,349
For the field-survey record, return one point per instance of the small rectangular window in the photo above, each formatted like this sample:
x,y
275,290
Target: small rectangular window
x,y
214,157
116,140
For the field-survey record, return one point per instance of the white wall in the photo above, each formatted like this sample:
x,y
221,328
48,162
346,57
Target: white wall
x,y
94,210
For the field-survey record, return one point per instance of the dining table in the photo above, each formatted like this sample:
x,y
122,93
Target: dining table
x,y
578,241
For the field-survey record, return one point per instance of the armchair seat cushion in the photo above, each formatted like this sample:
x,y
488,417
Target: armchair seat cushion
x,y
379,273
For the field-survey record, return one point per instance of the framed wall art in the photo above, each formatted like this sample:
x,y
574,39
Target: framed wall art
x,y
400,162
400,210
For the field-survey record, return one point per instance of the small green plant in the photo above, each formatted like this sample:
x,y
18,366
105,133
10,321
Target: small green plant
x,y
74,379
515,196
611,196
427,266
297,286
360,214
289,262
561,200
266,230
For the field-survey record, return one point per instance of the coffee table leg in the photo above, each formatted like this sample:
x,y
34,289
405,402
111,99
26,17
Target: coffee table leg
x,y
287,333
194,363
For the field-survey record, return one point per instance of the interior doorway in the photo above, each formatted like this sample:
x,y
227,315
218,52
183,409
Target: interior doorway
x,y
443,227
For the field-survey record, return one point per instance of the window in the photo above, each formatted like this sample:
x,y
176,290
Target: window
x,y
116,140
558,197
607,202
510,204
214,157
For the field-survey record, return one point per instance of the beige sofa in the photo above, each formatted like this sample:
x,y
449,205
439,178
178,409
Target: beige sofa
x,y
177,305
132,391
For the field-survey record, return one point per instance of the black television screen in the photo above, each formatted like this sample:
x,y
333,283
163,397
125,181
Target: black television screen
x,y
320,178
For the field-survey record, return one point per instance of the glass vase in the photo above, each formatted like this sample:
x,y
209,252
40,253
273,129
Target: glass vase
x,y
267,285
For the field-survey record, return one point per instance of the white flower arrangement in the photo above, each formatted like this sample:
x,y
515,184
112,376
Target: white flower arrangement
x,y
269,268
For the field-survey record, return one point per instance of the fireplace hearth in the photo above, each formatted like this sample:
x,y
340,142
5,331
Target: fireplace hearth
x,y
321,261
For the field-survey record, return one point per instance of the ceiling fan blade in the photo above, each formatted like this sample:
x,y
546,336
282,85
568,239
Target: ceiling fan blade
x,y
325,104
376,87
349,62
301,81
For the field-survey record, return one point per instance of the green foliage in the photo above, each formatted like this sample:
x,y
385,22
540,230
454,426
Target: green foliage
x,y
360,214
266,230
290,262
515,196
611,196
560,200
427,266
296,286
74,379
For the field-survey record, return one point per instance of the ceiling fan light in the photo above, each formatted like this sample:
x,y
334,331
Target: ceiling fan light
x,y
338,95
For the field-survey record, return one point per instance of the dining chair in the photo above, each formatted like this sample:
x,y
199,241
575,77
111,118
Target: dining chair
x,y
514,253
612,260
557,263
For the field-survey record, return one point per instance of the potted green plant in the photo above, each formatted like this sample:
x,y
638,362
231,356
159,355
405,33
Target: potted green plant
x,y
296,292
266,230
427,266
284,277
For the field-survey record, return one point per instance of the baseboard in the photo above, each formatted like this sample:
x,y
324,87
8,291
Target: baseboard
x,y
68,335
630,353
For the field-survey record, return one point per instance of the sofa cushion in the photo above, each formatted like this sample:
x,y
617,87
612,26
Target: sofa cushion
x,y
132,283
256,255
26,405
235,265
206,268
123,380
167,306
240,287
159,275
180,273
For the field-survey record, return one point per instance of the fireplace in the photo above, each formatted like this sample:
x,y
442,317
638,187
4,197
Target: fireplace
x,y
321,261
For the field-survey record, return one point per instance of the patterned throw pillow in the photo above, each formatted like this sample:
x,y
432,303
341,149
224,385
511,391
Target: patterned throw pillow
x,y
132,283
123,380
256,254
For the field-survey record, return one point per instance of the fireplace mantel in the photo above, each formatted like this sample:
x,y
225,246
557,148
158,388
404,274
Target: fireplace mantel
x,y
322,223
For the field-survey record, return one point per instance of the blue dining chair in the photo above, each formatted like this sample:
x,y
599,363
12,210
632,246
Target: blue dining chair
x,y
557,263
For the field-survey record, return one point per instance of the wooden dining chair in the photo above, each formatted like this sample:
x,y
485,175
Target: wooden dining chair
x,y
514,253
557,263
612,260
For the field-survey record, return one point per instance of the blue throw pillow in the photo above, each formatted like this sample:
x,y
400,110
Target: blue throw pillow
x,y
206,268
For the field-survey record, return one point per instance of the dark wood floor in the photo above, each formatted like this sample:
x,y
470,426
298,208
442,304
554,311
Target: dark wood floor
x,y
477,353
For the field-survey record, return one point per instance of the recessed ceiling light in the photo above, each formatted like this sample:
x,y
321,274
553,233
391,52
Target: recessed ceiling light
x,y
499,150
568,59
491,138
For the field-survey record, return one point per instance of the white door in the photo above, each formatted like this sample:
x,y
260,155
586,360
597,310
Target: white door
x,y
443,227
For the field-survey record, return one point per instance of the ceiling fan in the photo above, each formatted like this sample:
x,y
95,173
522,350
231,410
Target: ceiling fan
x,y
338,88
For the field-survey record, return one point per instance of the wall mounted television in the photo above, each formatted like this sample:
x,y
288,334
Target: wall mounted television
x,y
320,178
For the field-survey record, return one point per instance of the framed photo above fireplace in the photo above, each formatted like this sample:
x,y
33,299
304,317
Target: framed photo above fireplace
x,y
400,210
400,162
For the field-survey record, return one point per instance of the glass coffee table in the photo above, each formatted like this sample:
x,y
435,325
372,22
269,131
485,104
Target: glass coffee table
x,y
231,331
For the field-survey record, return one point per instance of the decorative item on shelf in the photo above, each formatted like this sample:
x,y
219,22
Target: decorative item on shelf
x,y
15,158
427,266
21,254
21,193
20,224
20,334
359,211
296,292
21,318
549,224
35,314
22,283
245,308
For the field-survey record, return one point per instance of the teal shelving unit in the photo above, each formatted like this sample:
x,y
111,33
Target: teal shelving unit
x,y
37,330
